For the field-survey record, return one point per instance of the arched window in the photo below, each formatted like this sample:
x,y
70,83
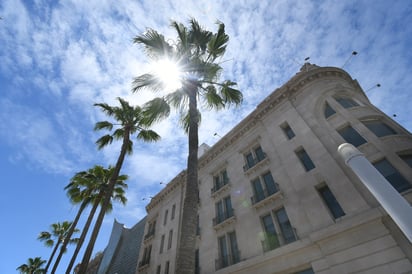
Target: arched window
x,y
329,111
346,102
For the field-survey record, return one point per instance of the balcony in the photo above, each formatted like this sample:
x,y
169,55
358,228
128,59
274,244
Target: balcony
x,y
150,235
225,261
223,219
144,264
218,185
266,197
216,190
274,241
255,163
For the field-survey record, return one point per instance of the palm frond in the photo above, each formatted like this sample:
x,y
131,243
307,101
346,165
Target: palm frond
x,y
231,95
148,136
147,81
155,110
185,120
218,42
154,43
104,141
118,133
213,100
105,108
103,125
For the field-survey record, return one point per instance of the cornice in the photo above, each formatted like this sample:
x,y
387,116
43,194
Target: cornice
x,y
279,95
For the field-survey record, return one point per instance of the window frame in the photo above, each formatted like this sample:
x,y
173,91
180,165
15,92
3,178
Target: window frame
x,y
379,128
351,135
330,201
404,184
305,160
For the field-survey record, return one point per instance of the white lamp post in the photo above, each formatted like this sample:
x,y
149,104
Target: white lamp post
x,y
390,199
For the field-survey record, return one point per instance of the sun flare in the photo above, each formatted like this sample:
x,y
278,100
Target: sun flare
x,y
169,73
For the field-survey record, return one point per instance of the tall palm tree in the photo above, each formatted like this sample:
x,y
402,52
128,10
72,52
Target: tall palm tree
x,y
196,52
33,266
54,238
129,121
87,188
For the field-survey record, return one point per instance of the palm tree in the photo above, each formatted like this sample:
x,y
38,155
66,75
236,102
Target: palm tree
x,y
195,52
54,238
129,121
33,266
87,188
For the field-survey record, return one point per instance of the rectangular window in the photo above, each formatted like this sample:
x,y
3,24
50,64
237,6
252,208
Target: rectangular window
x,y
198,226
288,131
346,102
151,230
253,157
224,210
331,202
167,267
173,211
285,226
197,262
379,128
169,242
271,240
228,250
392,175
220,180
305,159
351,136
165,218
272,224
162,243
261,191
146,256
158,269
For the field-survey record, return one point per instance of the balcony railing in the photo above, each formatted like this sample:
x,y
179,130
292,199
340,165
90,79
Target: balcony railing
x,y
149,234
257,198
219,185
227,260
274,241
252,163
223,216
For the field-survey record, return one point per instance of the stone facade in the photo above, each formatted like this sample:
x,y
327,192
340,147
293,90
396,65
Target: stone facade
x,y
275,197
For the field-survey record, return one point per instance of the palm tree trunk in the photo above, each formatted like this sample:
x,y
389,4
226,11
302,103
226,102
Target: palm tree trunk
x,y
185,262
84,232
107,197
69,235
52,255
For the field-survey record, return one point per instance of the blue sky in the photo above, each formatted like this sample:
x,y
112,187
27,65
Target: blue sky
x,y
59,58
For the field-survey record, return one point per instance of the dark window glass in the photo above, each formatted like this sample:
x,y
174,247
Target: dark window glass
x,y
407,158
228,207
305,159
271,238
165,219
285,226
197,262
378,128
162,243
269,183
260,155
250,160
173,211
169,243
288,131
346,102
392,175
225,178
329,111
306,271
258,190
158,269
224,256
219,212
331,202
234,248
167,267
351,136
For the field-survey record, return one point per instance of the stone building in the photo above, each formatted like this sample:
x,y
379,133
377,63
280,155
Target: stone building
x,y
275,196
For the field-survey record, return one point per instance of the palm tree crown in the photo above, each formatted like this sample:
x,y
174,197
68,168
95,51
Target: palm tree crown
x,y
195,52
33,266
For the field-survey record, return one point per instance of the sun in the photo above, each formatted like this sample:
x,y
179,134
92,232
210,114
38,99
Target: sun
x,y
169,73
